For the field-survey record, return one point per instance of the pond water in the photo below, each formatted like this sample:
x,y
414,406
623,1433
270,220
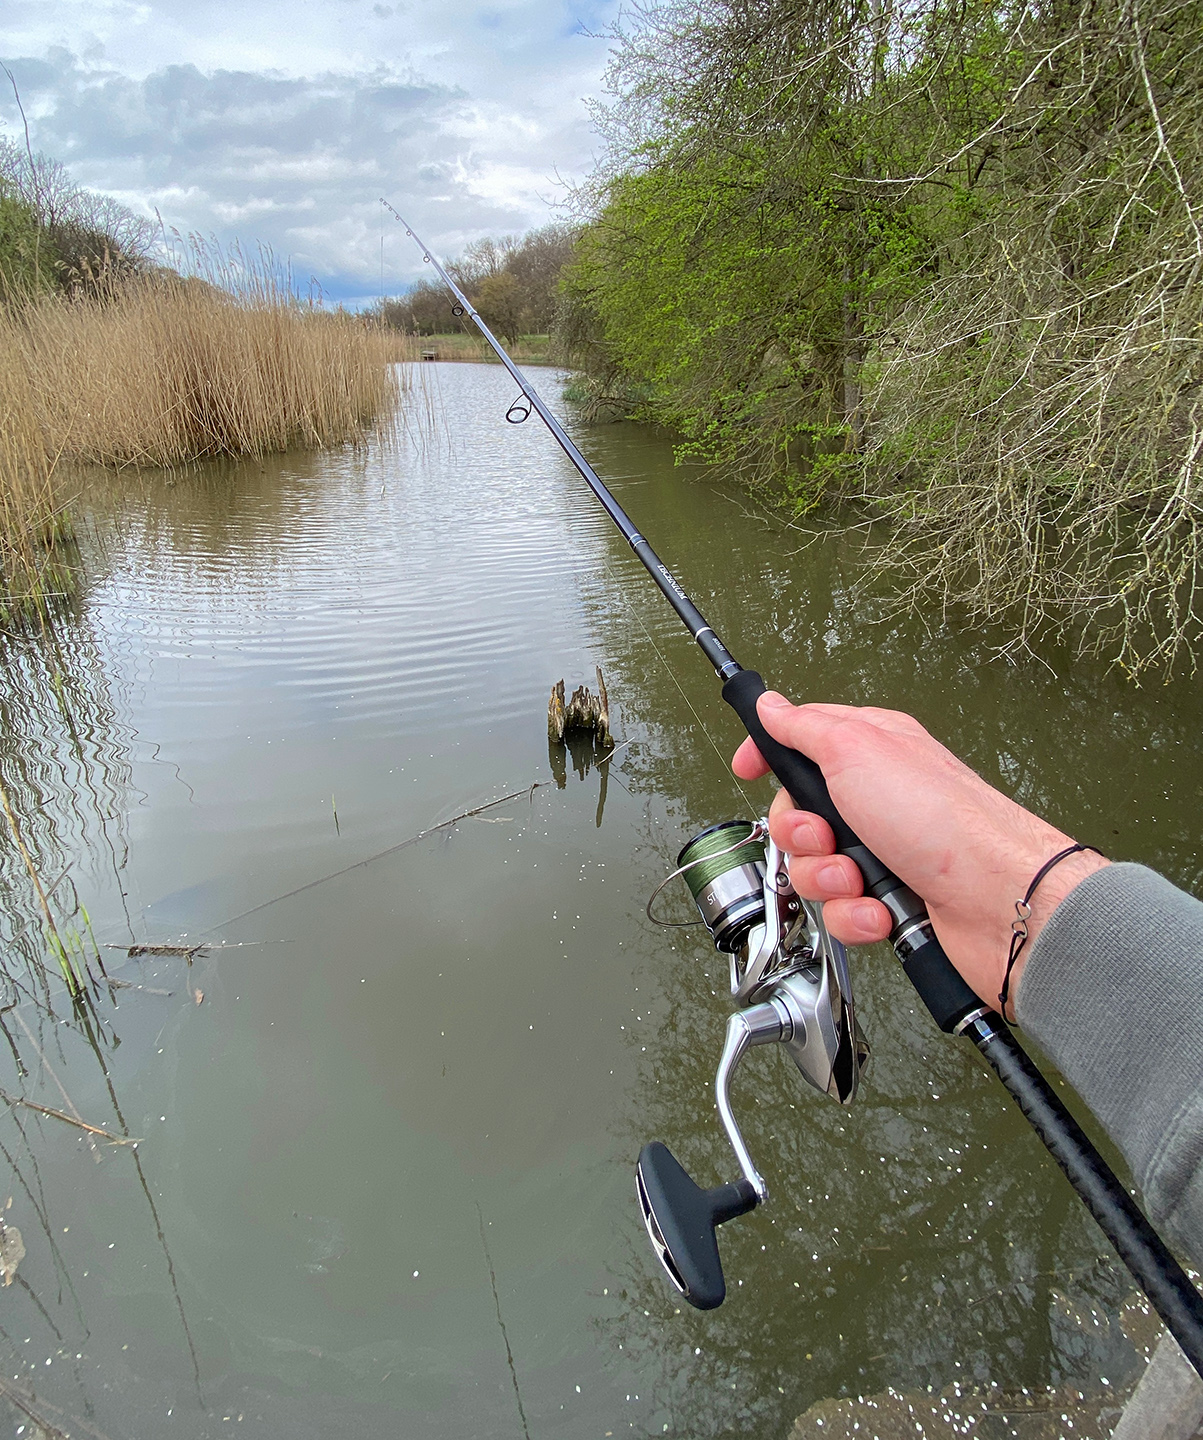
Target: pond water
x,y
387,1124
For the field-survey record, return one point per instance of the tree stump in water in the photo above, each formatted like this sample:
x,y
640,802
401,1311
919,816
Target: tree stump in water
x,y
583,712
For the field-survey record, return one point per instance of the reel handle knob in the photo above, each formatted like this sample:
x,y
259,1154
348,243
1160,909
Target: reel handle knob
x,y
682,1218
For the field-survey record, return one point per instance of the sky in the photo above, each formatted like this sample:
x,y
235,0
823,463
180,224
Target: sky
x,y
283,122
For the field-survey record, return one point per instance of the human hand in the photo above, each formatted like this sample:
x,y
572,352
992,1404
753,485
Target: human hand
x,y
967,849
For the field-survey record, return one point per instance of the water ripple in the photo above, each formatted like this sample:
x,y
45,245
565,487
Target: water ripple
x,y
380,587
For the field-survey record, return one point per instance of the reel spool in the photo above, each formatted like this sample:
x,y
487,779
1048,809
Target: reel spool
x,y
724,869
791,984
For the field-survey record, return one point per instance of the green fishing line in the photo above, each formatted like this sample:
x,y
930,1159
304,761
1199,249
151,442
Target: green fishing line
x,y
713,848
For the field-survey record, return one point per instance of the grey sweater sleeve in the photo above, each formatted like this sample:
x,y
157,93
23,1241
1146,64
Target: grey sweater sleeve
x,y
1113,993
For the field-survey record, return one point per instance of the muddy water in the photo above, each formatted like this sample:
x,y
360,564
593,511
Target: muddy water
x,y
387,1123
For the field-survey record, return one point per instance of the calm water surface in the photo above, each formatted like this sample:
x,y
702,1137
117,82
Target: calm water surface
x,y
387,1131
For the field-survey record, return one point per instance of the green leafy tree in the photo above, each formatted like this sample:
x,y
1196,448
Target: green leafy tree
x,y
20,270
55,233
945,259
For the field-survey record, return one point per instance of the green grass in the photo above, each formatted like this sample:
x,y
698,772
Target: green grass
x,y
530,349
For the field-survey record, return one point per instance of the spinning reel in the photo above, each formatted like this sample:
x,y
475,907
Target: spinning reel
x,y
792,984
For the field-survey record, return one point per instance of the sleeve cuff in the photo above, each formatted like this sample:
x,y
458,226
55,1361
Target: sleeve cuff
x,y
1112,994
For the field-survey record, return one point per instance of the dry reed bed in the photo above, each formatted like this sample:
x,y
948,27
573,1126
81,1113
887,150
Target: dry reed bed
x,y
164,371
169,371
29,508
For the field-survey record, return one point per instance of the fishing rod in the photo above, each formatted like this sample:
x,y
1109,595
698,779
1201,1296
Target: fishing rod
x,y
792,983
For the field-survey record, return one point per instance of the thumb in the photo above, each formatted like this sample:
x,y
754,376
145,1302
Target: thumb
x,y
794,725
773,700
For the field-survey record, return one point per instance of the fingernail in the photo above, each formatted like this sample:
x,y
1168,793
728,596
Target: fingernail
x,y
832,877
803,837
865,916
772,701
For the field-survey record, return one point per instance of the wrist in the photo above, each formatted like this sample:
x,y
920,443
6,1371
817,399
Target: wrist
x,y
1064,877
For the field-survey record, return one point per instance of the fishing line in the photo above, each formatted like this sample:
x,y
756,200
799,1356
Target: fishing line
x,y
726,768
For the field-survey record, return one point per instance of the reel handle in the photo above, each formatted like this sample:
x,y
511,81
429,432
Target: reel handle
x,y
681,1219
939,983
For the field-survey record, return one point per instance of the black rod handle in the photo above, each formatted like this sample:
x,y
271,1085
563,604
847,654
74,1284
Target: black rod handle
x,y
799,774
1136,1242
940,985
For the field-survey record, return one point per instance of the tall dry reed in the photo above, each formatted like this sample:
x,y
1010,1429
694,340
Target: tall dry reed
x,y
30,516
162,369
172,370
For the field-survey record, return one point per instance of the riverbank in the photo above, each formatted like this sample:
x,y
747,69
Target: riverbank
x,y
971,307
530,349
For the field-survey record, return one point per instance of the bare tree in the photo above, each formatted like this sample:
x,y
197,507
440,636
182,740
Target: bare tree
x,y
514,282
537,264
85,233
482,259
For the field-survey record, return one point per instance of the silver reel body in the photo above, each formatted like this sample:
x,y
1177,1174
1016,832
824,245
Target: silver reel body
x,y
791,984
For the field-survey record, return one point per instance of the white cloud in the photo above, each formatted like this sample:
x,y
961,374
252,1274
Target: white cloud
x,y
284,122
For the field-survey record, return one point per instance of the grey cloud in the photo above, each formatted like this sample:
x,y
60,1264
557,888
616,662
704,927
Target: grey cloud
x,y
179,115
297,162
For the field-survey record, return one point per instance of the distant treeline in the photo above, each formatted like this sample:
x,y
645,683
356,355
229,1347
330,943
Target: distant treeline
x,y
513,282
943,259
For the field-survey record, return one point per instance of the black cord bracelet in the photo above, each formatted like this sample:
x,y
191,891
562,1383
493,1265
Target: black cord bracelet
x,y
1023,911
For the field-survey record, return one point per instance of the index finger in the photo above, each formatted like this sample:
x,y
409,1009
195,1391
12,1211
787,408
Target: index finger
x,y
747,762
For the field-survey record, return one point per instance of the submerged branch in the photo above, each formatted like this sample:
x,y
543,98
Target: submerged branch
x,y
70,1119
